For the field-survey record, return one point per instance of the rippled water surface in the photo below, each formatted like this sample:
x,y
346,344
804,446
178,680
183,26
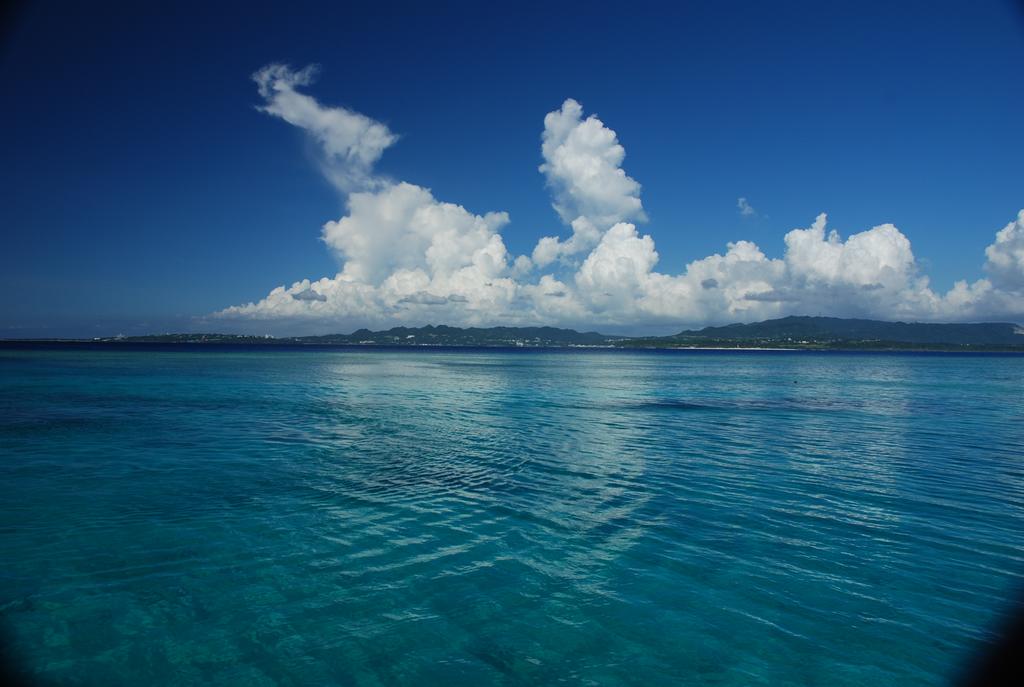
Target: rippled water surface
x,y
501,517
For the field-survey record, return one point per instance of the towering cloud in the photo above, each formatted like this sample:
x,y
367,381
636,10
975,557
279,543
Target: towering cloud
x,y
409,258
1006,256
405,254
583,167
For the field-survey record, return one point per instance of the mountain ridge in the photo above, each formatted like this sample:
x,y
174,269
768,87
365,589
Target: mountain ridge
x,y
808,332
804,327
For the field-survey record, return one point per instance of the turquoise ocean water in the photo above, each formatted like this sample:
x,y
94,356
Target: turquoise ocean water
x,y
484,517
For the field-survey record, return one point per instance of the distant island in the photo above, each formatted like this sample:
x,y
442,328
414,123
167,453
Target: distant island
x,y
797,332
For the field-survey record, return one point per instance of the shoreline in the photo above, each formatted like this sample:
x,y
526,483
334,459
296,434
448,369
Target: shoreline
x,y
167,346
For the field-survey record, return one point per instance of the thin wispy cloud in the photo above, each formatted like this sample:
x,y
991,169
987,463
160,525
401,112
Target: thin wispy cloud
x,y
409,258
350,142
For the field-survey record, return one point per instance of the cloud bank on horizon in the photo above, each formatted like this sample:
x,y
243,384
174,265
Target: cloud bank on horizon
x,y
411,259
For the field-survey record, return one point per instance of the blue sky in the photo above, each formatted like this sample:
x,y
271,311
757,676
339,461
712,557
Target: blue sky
x,y
144,191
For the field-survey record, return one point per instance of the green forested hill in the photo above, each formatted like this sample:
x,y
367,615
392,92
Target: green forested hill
x,y
826,329
787,332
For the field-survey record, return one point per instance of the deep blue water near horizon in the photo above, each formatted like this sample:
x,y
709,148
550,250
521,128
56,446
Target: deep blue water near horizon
x,y
475,517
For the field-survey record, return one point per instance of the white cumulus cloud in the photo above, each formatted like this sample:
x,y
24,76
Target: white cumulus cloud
x,y
1006,256
583,168
408,258
402,227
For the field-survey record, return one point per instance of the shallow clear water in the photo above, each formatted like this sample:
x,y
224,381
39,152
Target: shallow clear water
x,y
503,517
